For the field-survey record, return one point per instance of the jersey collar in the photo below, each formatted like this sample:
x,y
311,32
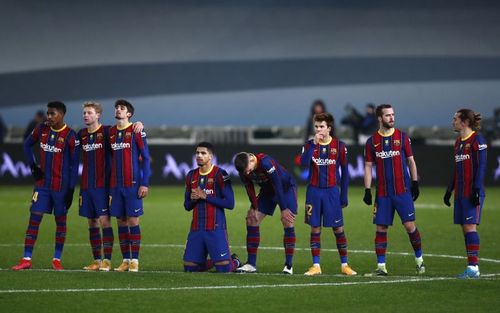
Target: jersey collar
x,y
59,130
389,134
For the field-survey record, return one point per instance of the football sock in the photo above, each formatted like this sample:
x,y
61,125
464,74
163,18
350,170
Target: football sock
x,y
135,240
380,246
315,243
31,234
253,240
472,247
226,268
192,268
289,244
341,246
60,235
95,242
416,242
107,242
123,236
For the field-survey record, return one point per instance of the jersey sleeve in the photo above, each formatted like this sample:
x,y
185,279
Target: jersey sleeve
x,y
344,179
480,148
188,204
29,142
250,188
407,146
142,144
369,150
225,196
74,156
307,153
271,168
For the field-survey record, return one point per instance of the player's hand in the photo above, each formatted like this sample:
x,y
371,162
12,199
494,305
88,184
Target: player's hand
x,y
252,216
343,201
198,194
414,190
287,216
368,196
37,172
137,127
318,137
446,198
474,197
143,192
68,197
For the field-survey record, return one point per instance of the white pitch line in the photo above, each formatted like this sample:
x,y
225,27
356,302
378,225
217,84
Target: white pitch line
x,y
190,288
167,245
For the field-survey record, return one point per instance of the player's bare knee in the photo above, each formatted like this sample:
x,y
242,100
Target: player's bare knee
x,y
338,230
225,262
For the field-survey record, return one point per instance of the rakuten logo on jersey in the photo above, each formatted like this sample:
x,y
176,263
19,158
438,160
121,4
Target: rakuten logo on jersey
x,y
209,192
321,162
120,146
48,148
387,154
91,147
461,157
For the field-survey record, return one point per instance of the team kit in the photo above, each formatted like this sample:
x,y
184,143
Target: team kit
x,y
115,180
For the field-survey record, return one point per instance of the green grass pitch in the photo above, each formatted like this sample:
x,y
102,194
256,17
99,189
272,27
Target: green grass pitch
x,y
162,286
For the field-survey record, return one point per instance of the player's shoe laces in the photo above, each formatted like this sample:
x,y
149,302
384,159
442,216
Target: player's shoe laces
x,y
235,258
105,265
288,270
246,268
24,264
470,273
313,270
420,269
134,265
56,265
347,270
124,266
94,266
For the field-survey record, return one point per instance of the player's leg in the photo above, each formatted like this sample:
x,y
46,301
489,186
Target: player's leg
x,y
118,210
135,242
312,217
383,215
95,244
406,210
288,221
217,244
40,201
470,217
195,253
60,216
107,242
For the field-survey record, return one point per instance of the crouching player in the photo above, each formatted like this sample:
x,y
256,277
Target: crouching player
x,y
208,193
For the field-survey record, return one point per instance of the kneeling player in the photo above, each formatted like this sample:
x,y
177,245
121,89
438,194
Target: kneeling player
x,y
208,193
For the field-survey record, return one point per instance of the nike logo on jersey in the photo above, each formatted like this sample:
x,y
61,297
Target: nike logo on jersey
x,y
376,145
43,135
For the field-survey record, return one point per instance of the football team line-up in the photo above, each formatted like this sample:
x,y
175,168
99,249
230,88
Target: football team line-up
x,y
115,179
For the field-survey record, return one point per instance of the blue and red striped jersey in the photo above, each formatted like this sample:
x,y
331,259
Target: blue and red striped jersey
x,y
59,156
470,165
96,157
328,166
389,155
130,164
272,178
209,214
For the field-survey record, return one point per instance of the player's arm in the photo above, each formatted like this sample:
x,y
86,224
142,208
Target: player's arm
x,y
36,171
307,153
142,144
226,197
481,154
272,171
344,179
250,188
369,158
189,203
74,156
412,166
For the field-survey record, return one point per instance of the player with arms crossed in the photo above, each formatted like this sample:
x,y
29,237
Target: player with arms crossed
x,y
130,171
208,193
277,187
326,156
55,177
390,150
94,185
468,176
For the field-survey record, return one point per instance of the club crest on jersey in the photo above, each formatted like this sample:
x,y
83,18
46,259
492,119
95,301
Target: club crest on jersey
x,y
467,146
99,136
397,142
128,134
333,151
210,181
60,139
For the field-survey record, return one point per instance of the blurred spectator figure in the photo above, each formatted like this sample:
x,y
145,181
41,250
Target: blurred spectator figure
x,y
361,124
491,127
318,106
37,119
3,130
